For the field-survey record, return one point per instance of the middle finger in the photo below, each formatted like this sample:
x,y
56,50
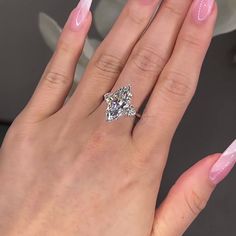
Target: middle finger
x,y
153,51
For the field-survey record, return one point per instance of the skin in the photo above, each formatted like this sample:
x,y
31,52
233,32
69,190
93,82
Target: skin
x,y
64,170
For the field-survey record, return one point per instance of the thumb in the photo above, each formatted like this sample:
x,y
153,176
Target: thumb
x,y
190,194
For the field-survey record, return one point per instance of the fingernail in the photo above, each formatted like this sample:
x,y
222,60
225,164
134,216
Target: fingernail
x,y
224,164
202,9
80,13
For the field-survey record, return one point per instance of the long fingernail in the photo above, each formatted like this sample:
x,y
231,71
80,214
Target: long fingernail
x,y
80,13
224,164
202,9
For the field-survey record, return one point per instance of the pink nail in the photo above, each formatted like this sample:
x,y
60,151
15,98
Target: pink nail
x,y
80,13
224,164
202,9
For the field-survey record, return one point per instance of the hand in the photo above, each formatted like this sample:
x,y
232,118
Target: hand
x,y
64,170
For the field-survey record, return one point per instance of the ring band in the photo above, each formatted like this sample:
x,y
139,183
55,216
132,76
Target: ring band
x,y
119,104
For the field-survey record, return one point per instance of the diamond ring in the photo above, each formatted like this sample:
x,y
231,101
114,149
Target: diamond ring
x,y
119,104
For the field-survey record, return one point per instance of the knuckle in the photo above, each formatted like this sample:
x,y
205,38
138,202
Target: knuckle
x,y
65,48
195,202
136,17
176,85
96,143
55,79
97,140
108,65
170,7
146,59
191,41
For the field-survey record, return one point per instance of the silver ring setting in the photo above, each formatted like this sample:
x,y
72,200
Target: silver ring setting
x,y
119,104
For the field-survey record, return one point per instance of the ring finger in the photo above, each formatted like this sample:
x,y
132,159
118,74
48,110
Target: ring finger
x,y
152,52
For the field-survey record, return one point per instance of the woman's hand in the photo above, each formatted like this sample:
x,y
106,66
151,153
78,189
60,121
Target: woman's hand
x,y
65,170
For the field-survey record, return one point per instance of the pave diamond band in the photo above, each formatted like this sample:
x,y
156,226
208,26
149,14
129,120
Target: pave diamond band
x,y
119,104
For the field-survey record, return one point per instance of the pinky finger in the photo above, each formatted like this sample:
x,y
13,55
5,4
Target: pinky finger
x,y
190,194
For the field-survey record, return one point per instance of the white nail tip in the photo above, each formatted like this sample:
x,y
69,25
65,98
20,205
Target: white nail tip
x,y
231,150
85,4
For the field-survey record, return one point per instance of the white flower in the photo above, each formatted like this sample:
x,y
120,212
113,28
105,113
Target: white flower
x,y
227,16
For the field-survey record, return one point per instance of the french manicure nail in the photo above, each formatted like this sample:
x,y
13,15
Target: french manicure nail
x,y
202,9
224,164
80,13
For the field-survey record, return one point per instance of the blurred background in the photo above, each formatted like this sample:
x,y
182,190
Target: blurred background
x,y
29,31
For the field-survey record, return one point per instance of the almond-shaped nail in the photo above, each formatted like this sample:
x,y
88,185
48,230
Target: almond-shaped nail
x,y
80,13
224,164
202,9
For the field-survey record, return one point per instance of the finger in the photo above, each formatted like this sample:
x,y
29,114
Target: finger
x,y
153,50
57,79
110,58
190,194
178,80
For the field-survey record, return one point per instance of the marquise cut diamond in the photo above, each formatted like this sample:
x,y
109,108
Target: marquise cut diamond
x,y
119,104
